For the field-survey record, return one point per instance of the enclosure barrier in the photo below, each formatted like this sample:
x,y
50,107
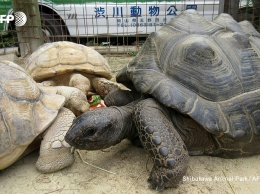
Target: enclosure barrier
x,y
115,26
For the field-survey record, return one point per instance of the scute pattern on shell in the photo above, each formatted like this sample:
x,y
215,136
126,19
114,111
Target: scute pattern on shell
x,y
59,58
25,110
207,70
209,58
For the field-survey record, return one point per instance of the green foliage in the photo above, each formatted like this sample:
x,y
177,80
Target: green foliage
x,y
8,39
92,43
249,3
132,53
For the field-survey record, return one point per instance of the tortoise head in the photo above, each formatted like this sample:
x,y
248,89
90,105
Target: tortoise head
x,y
96,129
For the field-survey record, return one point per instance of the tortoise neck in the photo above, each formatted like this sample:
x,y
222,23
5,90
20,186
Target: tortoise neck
x,y
126,114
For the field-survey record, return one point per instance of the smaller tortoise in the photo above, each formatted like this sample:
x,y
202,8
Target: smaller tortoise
x,y
200,83
30,116
69,64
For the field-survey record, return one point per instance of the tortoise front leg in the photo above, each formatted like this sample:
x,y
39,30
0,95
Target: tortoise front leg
x,y
118,97
81,82
103,86
55,152
164,144
75,99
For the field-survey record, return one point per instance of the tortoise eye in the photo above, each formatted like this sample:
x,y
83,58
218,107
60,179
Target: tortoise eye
x,y
89,132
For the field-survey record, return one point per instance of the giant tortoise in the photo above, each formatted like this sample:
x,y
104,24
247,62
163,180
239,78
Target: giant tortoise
x,y
69,64
31,115
200,86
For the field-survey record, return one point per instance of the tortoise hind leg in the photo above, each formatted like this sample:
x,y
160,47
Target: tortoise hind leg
x,y
163,143
55,153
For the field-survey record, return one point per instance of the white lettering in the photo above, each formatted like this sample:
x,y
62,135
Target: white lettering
x,y
6,18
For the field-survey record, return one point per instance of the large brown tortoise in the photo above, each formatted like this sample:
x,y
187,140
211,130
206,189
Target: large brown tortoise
x,y
30,115
200,86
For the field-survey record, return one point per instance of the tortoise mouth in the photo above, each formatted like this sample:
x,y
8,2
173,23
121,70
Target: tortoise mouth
x,y
83,134
76,142
85,143
70,139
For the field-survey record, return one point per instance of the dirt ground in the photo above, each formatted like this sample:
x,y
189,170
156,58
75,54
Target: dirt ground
x,y
125,168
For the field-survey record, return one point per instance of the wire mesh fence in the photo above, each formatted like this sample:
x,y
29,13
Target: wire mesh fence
x,y
117,26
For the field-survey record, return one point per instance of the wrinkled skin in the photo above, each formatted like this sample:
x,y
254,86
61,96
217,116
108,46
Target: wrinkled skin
x,y
202,96
100,128
105,127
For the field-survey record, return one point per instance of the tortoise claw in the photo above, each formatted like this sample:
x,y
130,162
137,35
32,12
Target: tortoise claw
x,y
159,177
156,184
162,177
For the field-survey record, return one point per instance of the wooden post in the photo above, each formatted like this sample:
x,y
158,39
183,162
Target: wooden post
x,y
232,7
30,36
256,6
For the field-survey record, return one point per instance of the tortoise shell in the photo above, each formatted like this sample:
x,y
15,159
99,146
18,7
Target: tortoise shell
x,y
207,70
25,111
64,57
